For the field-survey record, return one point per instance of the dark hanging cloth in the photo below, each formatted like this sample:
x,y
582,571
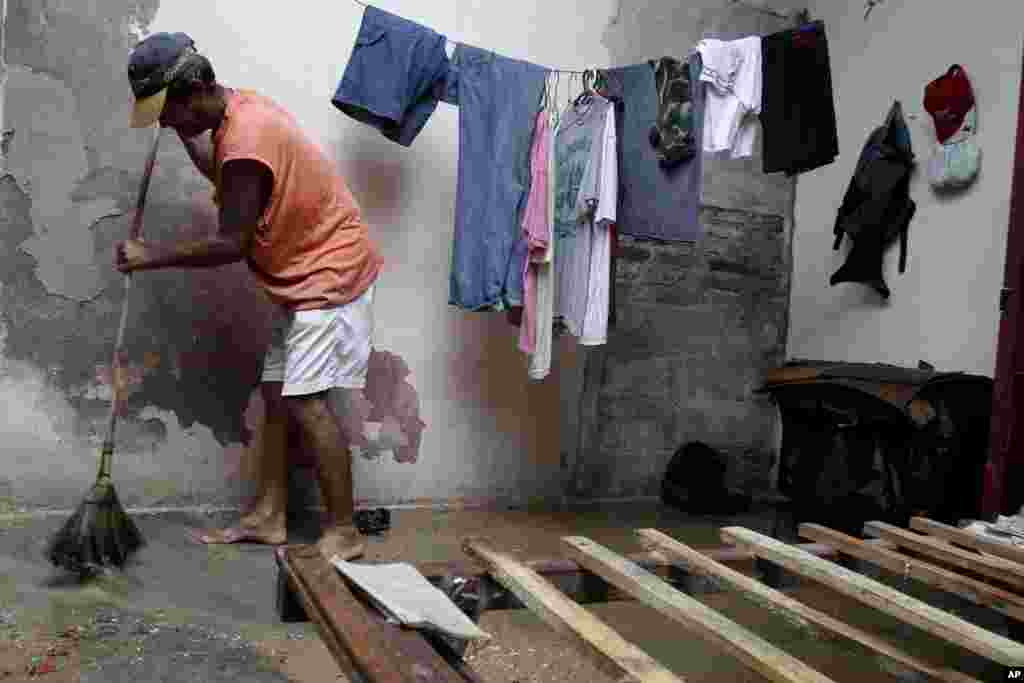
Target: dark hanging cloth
x,y
798,116
655,201
877,206
672,134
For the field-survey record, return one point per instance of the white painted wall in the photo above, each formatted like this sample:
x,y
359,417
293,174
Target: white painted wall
x,y
944,308
489,434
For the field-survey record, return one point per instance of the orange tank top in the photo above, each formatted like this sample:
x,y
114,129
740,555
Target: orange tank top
x,y
311,248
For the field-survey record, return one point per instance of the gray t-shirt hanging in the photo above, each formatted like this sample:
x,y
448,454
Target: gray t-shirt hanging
x,y
577,157
654,202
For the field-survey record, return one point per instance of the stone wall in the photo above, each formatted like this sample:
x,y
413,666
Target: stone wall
x,y
697,326
698,323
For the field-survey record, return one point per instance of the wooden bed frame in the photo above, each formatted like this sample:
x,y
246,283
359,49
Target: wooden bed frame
x,y
370,650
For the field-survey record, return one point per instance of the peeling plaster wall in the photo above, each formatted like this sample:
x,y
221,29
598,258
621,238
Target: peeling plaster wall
x,y
195,339
699,323
944,308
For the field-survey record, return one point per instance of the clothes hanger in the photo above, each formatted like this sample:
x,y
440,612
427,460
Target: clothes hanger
x,y
805,23
586,96
581,98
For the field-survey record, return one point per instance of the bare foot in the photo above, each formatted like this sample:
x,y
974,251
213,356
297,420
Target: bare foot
x,y
343,542
239,534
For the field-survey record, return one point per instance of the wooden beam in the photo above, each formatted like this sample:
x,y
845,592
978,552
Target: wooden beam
x,y
552,567
997,568
582,586
701,620
968,539
323,623
379,651
978,592
774,600
881,597
623,660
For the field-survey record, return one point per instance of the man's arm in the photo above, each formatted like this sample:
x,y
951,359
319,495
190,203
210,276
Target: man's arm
x,y
200,151
247,187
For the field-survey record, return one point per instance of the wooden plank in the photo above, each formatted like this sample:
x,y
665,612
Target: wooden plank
x,y
380,652
997,568
978,592
881,597
621,659
775,600
327,632
968,539
790,374
749,648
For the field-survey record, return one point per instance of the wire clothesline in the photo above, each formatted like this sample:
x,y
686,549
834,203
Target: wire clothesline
x,y
745,3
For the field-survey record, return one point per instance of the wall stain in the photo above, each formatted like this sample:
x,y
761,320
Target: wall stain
x,y
391,399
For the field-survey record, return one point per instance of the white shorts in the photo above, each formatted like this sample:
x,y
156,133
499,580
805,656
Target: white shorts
x,y
327,348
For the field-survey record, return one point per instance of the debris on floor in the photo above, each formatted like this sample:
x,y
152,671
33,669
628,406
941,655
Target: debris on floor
x,y
370,522
34,657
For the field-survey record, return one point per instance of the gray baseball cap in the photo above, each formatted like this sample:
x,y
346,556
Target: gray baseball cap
x,y
152,66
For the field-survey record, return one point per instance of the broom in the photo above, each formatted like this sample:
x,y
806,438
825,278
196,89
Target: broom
x,y
100,532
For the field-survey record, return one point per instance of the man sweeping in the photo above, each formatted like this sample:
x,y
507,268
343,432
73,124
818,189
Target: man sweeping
x,y
284,210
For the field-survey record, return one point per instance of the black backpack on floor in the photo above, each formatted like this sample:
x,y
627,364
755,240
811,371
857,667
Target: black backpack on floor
x,y
695,482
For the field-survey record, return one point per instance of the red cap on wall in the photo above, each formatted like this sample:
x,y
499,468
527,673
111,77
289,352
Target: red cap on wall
x,y
948,99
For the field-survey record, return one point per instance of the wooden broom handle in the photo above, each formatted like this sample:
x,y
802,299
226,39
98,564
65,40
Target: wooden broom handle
x,y
115,368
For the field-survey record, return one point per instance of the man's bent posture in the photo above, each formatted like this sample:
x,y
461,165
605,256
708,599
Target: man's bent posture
x,y
285,211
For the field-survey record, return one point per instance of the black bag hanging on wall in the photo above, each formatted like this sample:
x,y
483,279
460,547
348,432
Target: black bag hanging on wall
x,y
877,206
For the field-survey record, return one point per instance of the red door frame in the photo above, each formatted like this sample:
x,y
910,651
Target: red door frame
x,y
1006,461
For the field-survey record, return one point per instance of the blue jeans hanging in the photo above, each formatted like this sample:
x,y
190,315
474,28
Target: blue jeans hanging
x,y
498,99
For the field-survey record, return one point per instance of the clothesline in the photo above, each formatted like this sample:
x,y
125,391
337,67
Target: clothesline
x,y
774,13
628,163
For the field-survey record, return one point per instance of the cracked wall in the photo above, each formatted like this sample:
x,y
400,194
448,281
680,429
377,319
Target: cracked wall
x,y
72,173
195,339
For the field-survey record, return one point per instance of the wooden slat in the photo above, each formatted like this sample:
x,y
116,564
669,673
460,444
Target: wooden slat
x,y
614,654
881,597
992,567
748,647
978,592
584,587
381,652
968,539
772,599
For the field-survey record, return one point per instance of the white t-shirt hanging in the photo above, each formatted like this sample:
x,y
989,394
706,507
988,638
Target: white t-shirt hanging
x,y
596,205
732,70
587,194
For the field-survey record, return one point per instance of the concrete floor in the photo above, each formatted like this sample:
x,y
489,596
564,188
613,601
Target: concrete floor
x,y
184,612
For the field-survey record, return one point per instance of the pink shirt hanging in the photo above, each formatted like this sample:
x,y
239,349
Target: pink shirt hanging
x,y
536,229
